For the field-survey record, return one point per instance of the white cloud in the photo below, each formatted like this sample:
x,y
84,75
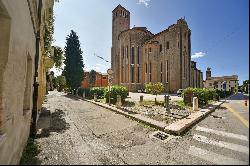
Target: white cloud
x,y
144,2
198,55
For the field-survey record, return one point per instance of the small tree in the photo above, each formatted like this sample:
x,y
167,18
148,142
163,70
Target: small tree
x,y
92,77
155,89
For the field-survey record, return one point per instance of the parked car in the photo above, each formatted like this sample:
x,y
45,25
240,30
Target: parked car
x,y
179,92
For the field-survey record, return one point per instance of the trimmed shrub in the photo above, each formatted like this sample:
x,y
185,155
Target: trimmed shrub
x,y
116,90
86,90
203,94
100,92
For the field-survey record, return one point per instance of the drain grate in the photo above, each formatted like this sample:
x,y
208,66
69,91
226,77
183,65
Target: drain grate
x,y
161,136
217,117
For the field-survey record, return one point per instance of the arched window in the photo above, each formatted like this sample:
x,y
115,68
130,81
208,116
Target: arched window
x,y
133,55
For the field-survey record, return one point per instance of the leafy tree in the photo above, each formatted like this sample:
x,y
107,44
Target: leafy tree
x,y
155,89
245,86
58,56
73,70
61,82
55,82
92,77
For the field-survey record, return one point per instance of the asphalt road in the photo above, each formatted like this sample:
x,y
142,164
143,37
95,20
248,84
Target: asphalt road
x,y
77,132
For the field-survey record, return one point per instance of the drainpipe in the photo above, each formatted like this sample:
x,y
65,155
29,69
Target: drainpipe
x,y
33,126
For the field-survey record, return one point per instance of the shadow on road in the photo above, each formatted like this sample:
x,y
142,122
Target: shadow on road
x,y
51,122
71,97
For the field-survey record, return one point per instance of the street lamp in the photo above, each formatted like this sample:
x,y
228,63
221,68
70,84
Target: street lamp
x,y
110,72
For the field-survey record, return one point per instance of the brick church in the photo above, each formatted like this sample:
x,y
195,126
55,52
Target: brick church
x,y
139,56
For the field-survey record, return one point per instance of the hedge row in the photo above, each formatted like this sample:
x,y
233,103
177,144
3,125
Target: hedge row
x,y
104,93
204,95
116,90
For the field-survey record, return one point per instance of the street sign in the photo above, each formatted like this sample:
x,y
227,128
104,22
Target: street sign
x,y
110,71
110,80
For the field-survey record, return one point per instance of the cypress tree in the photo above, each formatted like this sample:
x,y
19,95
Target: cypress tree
x,y
73,70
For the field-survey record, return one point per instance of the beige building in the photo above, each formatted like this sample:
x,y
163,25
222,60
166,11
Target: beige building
x,y
22,72
140,57
224,83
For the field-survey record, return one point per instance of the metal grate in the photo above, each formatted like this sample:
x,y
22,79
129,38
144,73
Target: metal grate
x,y
161,136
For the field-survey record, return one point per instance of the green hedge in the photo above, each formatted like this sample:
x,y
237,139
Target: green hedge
x,y
116,90
223,94
203,94
100,92
86,90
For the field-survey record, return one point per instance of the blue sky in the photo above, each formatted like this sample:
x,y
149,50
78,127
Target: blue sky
x,y
219,29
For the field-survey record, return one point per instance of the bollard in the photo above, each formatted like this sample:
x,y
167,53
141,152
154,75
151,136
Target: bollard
x,y
83,95
166,97
141,99
77,92
95,97
118,102
195,104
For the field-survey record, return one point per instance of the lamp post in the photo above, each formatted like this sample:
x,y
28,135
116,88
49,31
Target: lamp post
x,y
110,72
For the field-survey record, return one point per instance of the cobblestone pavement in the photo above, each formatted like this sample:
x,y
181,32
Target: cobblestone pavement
x,y
72,131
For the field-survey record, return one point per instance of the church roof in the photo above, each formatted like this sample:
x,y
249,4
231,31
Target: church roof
x,y
144,29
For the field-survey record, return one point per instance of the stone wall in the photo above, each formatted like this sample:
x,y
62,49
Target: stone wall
x,y
18,27
17,80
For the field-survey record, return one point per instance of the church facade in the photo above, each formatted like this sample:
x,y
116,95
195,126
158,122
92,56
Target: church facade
x,y
139,56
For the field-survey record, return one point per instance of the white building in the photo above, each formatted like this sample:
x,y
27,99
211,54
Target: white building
x,y
225,83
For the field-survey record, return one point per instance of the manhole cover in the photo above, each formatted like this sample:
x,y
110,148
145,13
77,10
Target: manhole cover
x,y
161,136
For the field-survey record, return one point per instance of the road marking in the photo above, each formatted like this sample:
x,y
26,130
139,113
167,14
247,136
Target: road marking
x,y
242,119
222,133
214,157
235,147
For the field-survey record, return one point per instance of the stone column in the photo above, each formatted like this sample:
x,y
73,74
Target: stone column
x,y
195,104
83,95
118,102
95,97
166,97
141,99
